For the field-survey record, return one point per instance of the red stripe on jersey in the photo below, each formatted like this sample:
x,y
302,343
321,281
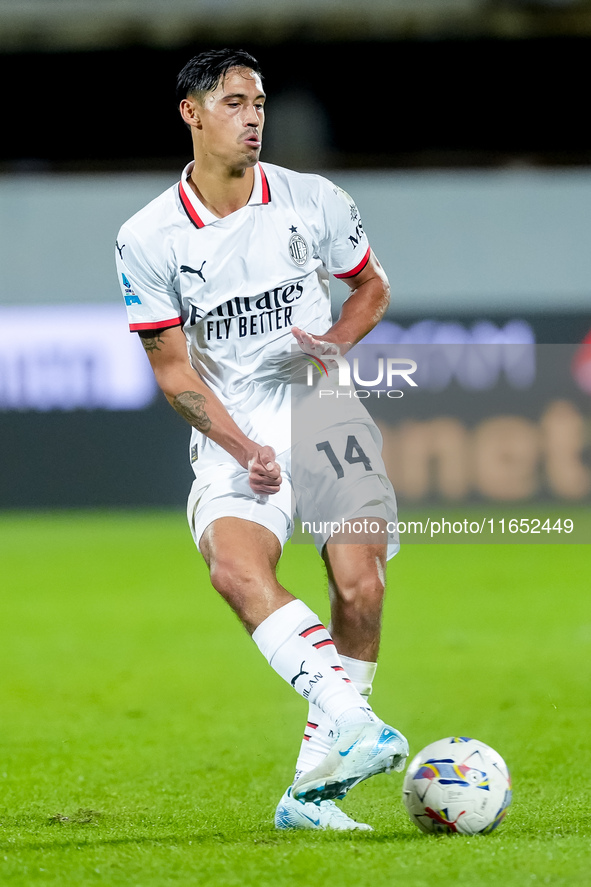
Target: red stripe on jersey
x,y
323,644
311,725
159,325
312,629
358,267
265,185
189,208
307,738
337,668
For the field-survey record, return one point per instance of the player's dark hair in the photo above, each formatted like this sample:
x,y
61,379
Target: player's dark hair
x,y
204,71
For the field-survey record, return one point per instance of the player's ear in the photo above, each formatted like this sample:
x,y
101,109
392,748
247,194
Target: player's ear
x,y
190,110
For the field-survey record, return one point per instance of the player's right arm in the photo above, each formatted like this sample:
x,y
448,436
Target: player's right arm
x,y
146,277
189,395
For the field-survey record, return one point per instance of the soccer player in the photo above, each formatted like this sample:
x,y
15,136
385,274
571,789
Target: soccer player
x,y
224,276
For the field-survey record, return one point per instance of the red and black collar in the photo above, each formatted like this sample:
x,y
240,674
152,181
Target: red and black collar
x,y
188,200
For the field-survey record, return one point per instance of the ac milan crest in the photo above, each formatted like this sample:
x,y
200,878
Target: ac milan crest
x,y
298,249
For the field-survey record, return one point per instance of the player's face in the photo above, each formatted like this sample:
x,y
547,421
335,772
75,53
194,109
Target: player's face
x,y
232,118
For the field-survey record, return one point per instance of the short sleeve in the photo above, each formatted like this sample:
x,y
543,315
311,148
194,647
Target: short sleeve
x,y
148,291
345,249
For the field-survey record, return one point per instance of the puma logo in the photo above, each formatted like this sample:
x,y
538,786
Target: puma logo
x,y
186,269
300,675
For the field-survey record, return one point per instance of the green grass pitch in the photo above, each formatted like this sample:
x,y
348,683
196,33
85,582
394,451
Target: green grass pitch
x,y
144,741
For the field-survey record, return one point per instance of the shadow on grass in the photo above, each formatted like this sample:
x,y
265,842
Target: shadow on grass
x,y
80,837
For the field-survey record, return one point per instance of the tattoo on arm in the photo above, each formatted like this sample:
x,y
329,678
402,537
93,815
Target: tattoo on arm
x,y
191,406
152,343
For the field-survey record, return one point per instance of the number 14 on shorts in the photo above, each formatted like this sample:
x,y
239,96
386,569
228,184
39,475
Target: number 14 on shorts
x,y
353,453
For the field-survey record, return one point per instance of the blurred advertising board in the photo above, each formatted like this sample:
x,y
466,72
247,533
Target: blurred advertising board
x,y
493,417
68,357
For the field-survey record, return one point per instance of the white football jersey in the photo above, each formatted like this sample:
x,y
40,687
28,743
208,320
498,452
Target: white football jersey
x,y
238,284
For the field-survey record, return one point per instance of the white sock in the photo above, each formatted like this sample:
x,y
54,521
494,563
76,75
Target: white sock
x,y
320,732
361,673
305,667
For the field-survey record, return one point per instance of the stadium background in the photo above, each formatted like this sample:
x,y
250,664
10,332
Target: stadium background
x,y
456,125
460,128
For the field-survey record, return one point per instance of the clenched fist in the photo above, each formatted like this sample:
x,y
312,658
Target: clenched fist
x,y
264,473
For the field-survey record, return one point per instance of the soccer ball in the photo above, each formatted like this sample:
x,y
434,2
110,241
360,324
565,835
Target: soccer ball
x,y
457,785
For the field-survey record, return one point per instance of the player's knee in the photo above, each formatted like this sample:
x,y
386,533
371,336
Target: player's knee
x,y
225,576
364,592
223,573
233,577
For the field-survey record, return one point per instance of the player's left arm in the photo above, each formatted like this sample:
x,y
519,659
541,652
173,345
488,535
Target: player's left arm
x,y
362,310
